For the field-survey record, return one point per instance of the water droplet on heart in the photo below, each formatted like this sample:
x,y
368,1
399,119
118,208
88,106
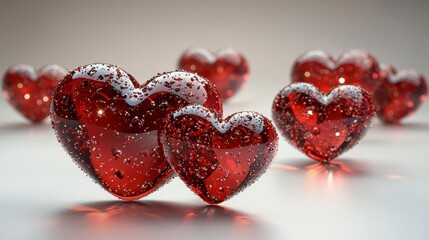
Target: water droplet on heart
x,y
316,131
119,174
116,152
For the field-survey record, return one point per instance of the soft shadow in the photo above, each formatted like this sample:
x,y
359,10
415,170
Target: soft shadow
x,y
317,175
153,220
347,166
407,132
407,125
23,127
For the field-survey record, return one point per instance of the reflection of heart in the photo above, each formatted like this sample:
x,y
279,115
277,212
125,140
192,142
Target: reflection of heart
x,y
110,126
323,126
354,67
216,158
113,213
400,94
153,220
226,68
30,91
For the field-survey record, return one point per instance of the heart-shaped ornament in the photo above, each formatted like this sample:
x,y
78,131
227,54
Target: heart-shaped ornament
x,y
354,67
323,126
217,158
109,123
30,90
400,94
226,68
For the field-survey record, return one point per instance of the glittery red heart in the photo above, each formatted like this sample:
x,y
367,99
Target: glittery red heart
x,y
354,67
226,68
217,158
109,123
30,91
400,94
323,126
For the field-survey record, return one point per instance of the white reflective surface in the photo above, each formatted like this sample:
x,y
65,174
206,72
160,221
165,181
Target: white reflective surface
x,y
378,190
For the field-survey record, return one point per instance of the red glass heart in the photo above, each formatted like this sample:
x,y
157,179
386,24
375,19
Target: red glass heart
x,y
354,67
109,123
400,94
218,158
323,126
30,91
227,68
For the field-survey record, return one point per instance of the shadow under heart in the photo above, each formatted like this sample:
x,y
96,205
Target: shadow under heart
x,y
153,220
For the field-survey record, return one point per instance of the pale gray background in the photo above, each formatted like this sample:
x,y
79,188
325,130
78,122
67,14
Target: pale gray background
x,y
380,193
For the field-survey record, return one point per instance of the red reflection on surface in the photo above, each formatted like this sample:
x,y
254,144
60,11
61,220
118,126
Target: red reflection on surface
x,y
332,166
396,177
152,220
109,212
284,167
331,174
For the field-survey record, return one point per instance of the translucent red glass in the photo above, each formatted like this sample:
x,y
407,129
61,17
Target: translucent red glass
x,y
354,67
30,91
217,158
323,126
109,124
227,68
400,94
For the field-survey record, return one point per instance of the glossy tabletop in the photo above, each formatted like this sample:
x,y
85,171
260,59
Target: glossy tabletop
x,y
377,190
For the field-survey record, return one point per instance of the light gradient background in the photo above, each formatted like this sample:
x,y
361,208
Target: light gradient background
x,y
380,192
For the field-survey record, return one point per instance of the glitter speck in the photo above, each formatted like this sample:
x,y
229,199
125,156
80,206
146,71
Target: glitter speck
x,y
341,80
27,96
